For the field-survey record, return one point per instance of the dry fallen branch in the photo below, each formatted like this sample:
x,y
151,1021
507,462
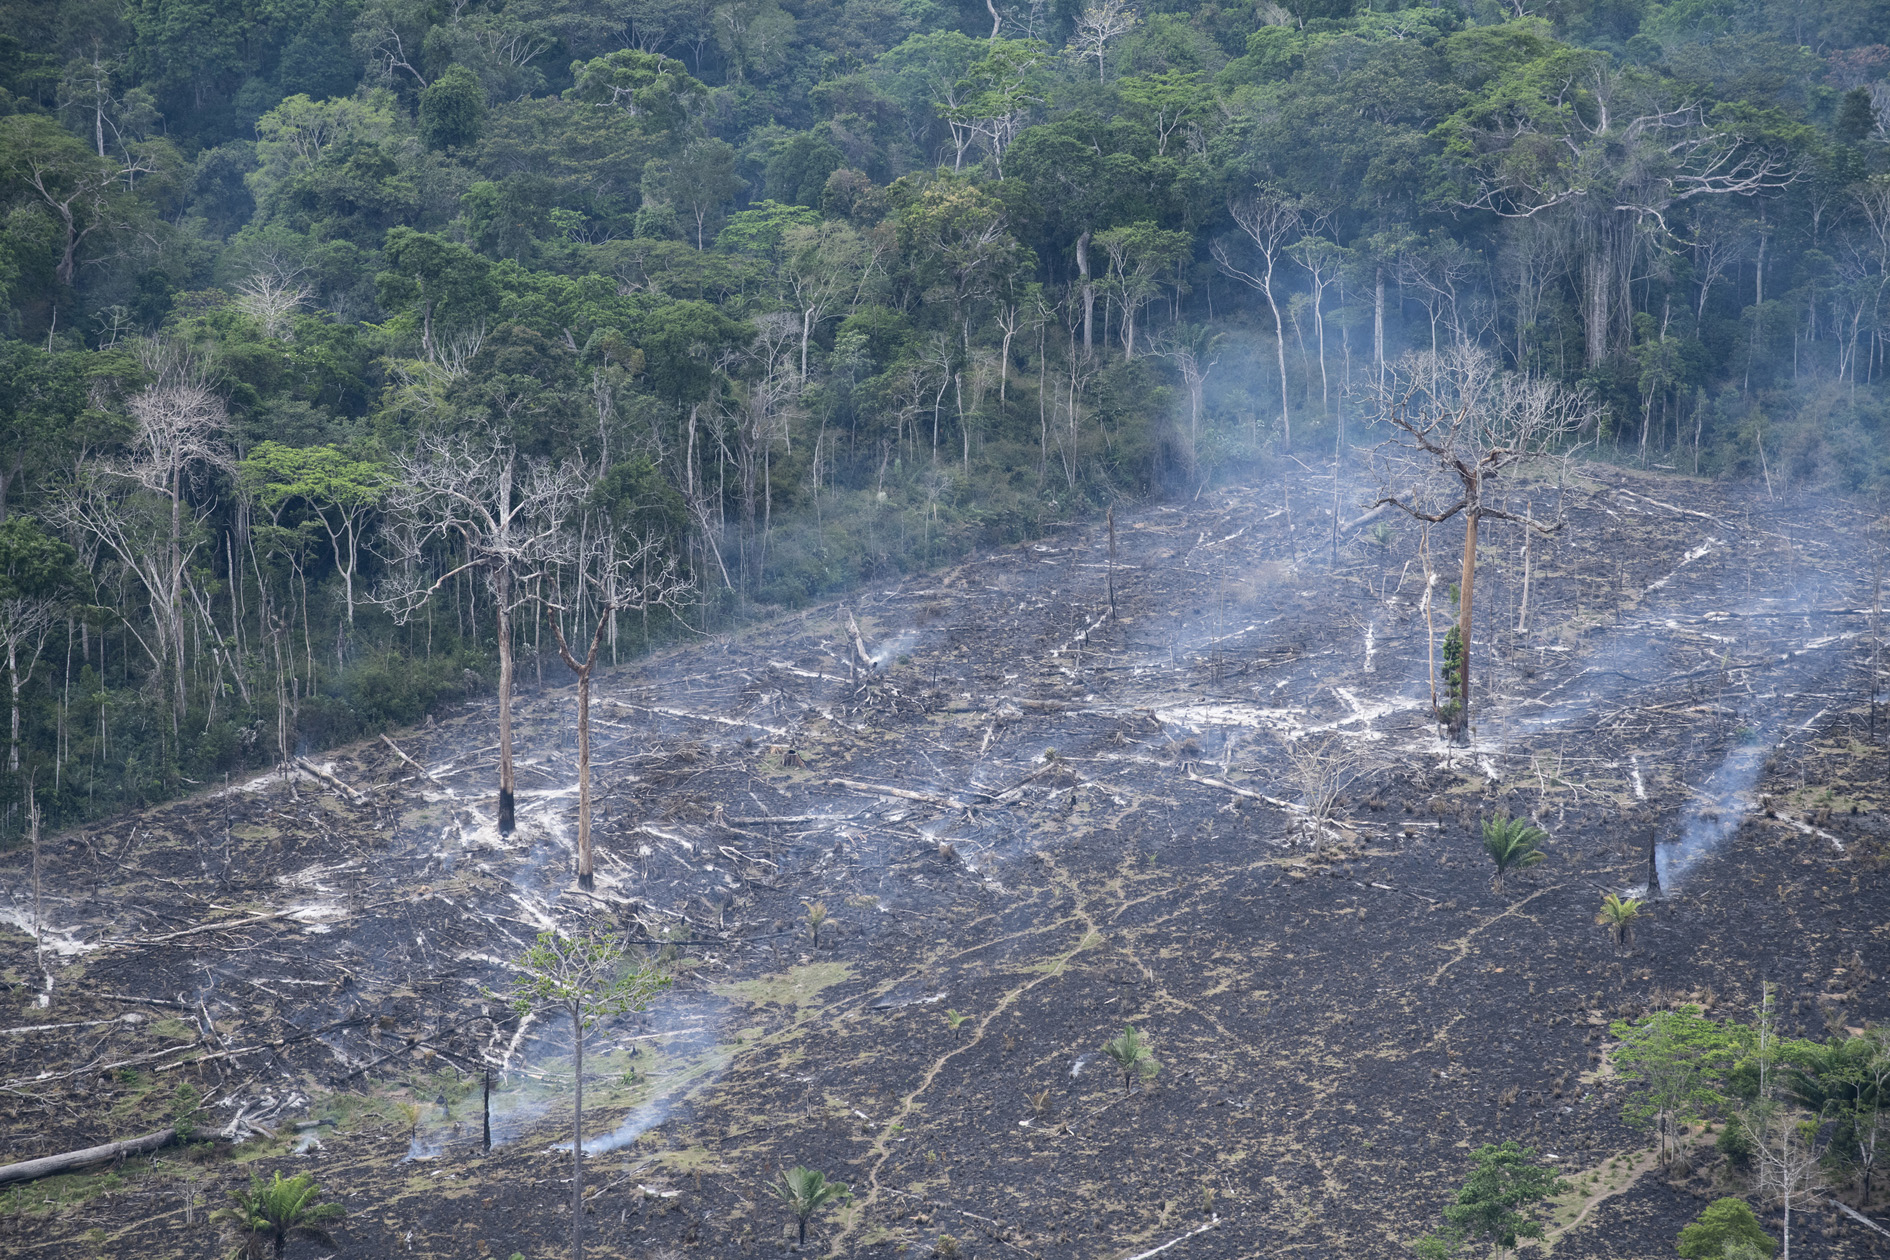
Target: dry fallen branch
x,y
422,770
1249,793
1155,1251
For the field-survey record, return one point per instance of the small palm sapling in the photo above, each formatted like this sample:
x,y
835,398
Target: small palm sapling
x,y
1513,845
805,1192
817,916
270,1213
1132,1057
1617,914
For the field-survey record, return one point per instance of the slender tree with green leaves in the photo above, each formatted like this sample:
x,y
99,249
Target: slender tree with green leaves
x,y
1497,1202
1678,1058
1131,1054
341,490
588,977
805,1192
1514,844
269,1213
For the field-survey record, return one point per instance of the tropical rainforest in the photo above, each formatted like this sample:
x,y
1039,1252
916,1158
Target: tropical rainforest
x,y
763,298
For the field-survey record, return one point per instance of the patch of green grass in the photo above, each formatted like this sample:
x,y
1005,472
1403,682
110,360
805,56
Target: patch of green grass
x,y
799,987
173,1029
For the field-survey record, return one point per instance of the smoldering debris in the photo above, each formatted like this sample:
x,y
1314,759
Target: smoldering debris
x,y
360,935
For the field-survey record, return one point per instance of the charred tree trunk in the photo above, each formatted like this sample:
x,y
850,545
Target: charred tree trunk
x,y
1460,724
507,804
584,671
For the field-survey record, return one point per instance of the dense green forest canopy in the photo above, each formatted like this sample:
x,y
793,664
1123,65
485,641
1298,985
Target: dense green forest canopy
x,y
785,293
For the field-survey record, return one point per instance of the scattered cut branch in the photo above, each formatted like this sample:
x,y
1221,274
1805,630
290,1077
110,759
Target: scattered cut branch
x,y
324,776
882,789
422,770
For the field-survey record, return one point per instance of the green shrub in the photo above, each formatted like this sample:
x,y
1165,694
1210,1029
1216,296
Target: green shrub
x,y
1725,1223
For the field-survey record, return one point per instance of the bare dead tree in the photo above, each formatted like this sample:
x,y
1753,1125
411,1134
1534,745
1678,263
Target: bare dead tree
x,y
1192,349
1097,25
136,507
624,573
1790,1170
270,301
468,493
1323,767
1270,222
1458,421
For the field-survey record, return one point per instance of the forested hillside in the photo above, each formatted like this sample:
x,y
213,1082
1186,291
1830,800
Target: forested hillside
x,y
727,305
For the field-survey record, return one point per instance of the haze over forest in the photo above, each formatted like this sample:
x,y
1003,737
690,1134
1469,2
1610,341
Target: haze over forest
x,y
818,292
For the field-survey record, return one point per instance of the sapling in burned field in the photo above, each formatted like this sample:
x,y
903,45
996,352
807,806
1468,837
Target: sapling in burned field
x,y
1618,914
1514,844
805,1191
1132,1056
588,977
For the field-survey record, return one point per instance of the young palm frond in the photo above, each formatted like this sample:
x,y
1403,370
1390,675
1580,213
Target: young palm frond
x,y
269,1213
1514,844
1618,915
805,1192
1132,1057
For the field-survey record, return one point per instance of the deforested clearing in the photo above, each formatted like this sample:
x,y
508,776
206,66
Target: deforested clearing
x,y
1037,825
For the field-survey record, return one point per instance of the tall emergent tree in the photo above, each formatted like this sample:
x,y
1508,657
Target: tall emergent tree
x,y
466,497
1459,421
588,977
1270,221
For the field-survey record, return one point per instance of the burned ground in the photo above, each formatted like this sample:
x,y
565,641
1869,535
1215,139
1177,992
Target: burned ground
x,y
1032,823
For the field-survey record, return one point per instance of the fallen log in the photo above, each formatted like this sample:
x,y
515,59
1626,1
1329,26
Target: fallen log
x,y
1851,1212
34,1169
1249,793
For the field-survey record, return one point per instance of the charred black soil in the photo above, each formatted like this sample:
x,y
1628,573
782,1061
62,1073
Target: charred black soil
x,y
1032,821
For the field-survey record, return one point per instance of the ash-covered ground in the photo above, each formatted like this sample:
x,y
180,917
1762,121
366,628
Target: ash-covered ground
x,y
1032,820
